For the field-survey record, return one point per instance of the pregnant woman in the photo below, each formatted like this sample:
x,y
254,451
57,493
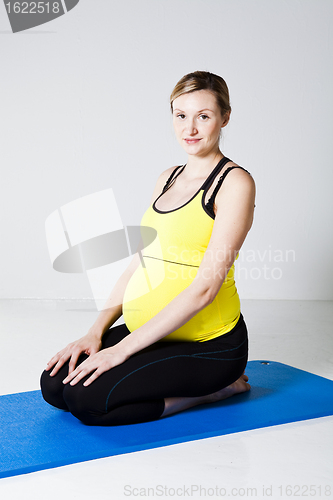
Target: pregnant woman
x,y
184,340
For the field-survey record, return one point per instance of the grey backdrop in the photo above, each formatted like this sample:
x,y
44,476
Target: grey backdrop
x,y
84,107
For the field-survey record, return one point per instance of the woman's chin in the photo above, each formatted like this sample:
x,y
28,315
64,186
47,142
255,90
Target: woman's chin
x,y
194,149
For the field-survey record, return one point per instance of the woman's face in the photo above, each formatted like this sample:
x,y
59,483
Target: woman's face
x,y
197,122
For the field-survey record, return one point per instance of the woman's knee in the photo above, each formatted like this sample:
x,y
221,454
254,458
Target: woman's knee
x,y
79,404
52,390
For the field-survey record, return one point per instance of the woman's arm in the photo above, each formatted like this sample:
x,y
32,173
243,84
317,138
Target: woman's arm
x,y
235,206
112,310
91,343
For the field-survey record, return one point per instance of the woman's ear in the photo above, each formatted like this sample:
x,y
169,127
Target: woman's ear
x,y
226,119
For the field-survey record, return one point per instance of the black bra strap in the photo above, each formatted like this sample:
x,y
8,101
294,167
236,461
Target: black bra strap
x,y
172,177
208,181
211,200
215,172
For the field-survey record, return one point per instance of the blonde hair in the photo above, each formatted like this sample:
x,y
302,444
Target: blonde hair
x,y
203,80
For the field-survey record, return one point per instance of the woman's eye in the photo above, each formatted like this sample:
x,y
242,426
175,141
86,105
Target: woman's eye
x,y
181,116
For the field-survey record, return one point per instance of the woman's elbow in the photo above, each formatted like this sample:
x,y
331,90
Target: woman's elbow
x,y
206,293
211,294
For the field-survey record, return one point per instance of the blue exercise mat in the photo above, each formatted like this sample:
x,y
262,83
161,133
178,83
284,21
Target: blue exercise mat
x,y
35,436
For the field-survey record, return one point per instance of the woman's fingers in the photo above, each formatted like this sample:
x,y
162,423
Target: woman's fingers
x,y
89,345
96,373
93,377
97,363
80,372
55,362
74,359
69,353
61,361
52,362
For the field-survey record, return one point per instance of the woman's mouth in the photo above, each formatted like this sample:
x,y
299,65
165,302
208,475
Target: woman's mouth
x,y
192,141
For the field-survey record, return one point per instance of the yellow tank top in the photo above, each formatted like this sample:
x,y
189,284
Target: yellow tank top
x,y
170,263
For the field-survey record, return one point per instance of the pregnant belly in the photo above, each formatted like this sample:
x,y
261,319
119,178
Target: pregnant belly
x,y
152,287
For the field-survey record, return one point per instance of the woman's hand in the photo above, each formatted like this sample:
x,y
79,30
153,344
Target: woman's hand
x,y
98,363
90,344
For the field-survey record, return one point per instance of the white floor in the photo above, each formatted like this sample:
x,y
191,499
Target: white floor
x,y
286,461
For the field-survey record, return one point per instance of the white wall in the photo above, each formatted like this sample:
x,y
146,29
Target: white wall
x,y
84,106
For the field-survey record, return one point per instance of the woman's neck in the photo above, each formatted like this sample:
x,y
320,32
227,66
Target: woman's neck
x,y
202,166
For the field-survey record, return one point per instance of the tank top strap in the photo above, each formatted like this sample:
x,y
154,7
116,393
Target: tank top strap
x,y
174,174
211,200
215,172
173,177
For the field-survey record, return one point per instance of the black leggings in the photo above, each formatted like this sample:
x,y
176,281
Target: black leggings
x,y
134,391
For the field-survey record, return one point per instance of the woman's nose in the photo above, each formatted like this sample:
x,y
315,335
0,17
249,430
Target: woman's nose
x,y
191,127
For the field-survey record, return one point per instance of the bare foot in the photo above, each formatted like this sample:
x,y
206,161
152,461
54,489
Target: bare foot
x,y
174,405
237,387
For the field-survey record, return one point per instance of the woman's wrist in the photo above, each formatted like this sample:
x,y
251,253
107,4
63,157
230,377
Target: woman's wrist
x,y
137,340
129,345
96,332
104,321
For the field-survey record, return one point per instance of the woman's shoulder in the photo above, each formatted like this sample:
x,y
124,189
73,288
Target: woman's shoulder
x,y
236,180
237,174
